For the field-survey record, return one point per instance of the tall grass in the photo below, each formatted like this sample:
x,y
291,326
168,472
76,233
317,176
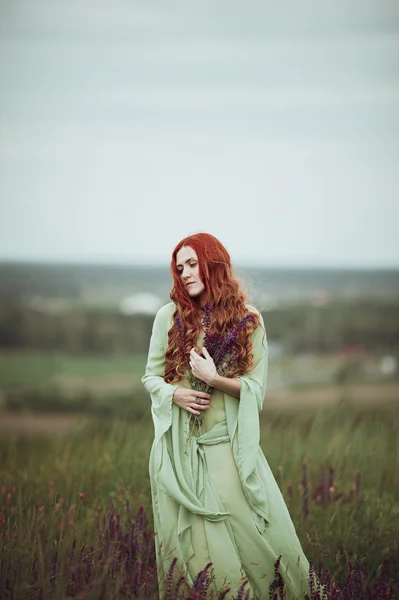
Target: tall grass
x,y
75,512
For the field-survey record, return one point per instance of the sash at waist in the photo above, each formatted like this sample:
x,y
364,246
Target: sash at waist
x,y
217,435
183,474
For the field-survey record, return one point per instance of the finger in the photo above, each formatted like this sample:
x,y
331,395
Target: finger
x,y
203,395
205,351
198,406
202,401
194,412
201,407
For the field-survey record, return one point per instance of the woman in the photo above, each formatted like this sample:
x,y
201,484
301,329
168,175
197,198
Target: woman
x,y
214,496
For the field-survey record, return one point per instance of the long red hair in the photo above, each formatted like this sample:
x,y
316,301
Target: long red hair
x,y
227,303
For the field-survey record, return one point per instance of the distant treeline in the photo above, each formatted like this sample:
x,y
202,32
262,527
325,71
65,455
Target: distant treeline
x,y
79,282
371,324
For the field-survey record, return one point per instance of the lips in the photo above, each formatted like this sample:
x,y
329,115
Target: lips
x,y
191,283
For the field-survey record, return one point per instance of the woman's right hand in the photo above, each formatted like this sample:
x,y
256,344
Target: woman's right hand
x,y
191,400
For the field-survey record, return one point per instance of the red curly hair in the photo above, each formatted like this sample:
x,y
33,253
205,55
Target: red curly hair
x,y
227,302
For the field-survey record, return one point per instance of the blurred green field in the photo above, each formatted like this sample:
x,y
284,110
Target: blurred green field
x,y
54,489
110,386
33,369
20,369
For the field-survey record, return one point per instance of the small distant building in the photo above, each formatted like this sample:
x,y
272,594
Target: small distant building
x,y
388,365
144,303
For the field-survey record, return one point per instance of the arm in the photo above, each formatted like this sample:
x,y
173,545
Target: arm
x,y
204,368
255,380
229,385
153,379
162,393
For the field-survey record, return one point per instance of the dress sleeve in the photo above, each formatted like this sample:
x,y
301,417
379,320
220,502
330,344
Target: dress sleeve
x,y
255,380
252,394
153,379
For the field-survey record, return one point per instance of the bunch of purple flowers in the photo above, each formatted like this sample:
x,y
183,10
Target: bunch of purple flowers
x,y
220,347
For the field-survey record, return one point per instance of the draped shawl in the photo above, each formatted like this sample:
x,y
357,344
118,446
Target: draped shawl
x,y
182,474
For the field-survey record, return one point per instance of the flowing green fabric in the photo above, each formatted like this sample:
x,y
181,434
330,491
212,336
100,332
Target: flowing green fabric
x,y
214,496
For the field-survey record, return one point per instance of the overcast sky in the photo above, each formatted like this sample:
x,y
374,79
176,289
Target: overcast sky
x,y
125,126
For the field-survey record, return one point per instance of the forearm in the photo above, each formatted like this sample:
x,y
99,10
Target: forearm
x,y
155,384
229,385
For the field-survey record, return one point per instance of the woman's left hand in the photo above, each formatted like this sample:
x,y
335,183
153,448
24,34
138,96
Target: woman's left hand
x,y
203,368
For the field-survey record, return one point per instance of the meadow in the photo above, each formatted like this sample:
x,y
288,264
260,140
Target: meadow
x,y
76,520
76,431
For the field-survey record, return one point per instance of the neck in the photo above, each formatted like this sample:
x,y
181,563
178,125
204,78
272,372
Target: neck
x,y
200,301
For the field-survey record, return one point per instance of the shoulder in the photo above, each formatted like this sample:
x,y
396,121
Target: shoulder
x,y
252,309
163,318
255,311
163,322
166,311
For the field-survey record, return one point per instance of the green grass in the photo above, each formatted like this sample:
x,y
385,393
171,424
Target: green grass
x,y
31,370
41,369
41,479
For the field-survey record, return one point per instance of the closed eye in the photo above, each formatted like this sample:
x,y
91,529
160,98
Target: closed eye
x,y
192,264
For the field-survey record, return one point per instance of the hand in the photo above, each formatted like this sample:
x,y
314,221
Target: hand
x,y
191,400
203,368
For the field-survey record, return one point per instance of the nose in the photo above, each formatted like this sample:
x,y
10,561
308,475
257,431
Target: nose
x,y
186,272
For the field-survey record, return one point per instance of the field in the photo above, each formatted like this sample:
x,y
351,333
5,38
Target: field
x,y
25,375
27,370
76,433
336,465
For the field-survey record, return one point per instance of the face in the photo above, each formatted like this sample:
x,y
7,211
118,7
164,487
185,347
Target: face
x,y
187,267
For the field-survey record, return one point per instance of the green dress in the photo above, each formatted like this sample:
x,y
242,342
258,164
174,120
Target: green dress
x,y
214,496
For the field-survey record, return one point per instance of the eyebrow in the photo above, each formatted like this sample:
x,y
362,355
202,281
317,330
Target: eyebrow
x,y
186,261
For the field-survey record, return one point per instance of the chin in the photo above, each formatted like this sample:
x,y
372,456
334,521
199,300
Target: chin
x,y
195,294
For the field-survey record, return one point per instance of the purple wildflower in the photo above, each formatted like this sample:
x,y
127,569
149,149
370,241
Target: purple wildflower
x,y
179,584
224,593
206,319
179,327
54,569
202,581
34,568
241,590
169,579
276,588
220,348
212,343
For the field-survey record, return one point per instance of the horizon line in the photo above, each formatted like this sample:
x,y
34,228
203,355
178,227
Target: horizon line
x,y
159,264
